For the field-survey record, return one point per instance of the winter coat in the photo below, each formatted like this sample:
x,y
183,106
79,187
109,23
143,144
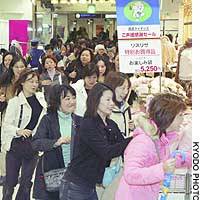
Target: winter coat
x,y
58,78
12,115
47,134
97,145
143,169
122,117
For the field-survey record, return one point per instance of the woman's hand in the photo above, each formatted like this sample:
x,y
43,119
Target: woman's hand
x,y
63,140
169,165
24,133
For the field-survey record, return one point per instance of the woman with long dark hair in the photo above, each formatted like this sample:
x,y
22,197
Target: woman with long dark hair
x,y
7,59
99,140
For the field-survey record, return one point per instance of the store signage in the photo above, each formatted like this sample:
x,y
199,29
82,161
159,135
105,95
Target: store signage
x,y
88,15
138,26
110,16
140,56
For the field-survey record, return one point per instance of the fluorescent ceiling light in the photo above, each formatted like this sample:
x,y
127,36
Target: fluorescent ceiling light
x,y
63,1
73,1
54,1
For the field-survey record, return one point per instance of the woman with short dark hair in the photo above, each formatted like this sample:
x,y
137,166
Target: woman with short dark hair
x,y
74,71
51,75
121,114
99,140
83,86
55,136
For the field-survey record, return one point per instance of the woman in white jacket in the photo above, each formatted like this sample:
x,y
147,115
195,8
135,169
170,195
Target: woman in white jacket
x,y
83,86
22,117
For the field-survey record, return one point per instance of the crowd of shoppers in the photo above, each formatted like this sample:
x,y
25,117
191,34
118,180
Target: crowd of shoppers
x,y
68,106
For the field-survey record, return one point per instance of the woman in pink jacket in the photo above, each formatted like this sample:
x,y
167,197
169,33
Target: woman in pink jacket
x,y
147,157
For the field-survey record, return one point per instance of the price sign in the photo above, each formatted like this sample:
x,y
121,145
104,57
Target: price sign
x,y
140,56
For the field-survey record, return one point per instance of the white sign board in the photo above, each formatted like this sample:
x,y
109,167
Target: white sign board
x,y
140,55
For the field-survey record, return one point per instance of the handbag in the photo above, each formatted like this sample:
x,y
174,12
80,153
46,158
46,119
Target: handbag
x,y
21,146
112,171
53,178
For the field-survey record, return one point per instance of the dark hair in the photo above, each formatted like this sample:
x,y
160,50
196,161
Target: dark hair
x,y
3,51
94,97
50,57
105,60
116,79
22,78
7,77
90,69
163,109
85,49
55,94
48,46
6,54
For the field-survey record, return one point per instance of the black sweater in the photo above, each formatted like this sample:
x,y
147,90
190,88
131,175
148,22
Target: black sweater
x,y
97,145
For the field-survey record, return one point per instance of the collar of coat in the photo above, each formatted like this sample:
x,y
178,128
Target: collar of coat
x,y
123,108
39,95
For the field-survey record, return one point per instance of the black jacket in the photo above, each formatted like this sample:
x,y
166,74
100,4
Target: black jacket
x,y
97,145
46,135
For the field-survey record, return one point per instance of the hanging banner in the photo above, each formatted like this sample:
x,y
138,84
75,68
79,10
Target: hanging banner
x,y
138,27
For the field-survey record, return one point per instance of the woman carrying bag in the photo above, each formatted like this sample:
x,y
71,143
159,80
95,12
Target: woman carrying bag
x,y
99,140
22,116
55,136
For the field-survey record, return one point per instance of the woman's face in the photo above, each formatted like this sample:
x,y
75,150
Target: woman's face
x,y
106,103
102,67
7,60
49,64
85,57
30,86
101,51
18,68
90,81
68,103
122,91
175,125
63,50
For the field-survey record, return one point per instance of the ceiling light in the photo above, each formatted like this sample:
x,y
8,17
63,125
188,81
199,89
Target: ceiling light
x,y
73,1
54,1
63,1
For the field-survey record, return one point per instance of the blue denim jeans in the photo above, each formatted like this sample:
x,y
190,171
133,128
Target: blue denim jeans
x,y
71,191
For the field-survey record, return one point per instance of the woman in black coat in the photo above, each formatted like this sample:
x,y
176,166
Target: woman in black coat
x,y
99,140
55,136
74,71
